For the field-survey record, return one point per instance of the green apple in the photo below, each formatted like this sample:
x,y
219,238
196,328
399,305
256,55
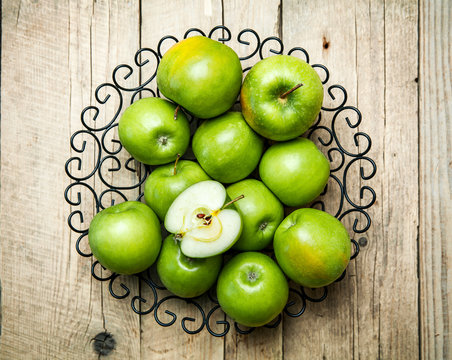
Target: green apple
x,y
281,97
227,148
295,171
183,276
252,289
149,132
202,75
198,219
312,247
126,237
261,213
166,182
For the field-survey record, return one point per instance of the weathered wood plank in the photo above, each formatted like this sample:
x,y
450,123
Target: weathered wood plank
x,y
265,19
435,227
46,305
81,94
160,18
110,45
371,101
397,252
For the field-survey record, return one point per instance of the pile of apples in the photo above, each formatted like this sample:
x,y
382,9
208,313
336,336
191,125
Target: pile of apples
x,y
213,205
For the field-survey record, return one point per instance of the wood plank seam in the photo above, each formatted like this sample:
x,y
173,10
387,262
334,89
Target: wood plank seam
x,y
419,184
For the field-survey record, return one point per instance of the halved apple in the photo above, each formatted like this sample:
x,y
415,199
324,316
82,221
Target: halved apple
x,y
198,218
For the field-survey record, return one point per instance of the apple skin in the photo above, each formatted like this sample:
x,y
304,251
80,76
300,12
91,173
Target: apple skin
x,y
126,237
271,116
148,131
252,289
162,186
312,247
202,75
183,276
261,213
227,148
295,171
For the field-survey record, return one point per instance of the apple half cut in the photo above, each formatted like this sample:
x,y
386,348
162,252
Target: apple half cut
x,y
198,219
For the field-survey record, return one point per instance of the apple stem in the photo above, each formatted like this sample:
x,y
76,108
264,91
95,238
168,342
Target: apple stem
x,y
233,201
291,90
175,164
175,112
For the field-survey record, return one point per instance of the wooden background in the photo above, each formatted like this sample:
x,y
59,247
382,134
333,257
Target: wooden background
x,y
394,57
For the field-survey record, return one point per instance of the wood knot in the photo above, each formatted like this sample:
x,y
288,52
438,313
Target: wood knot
x,y
326,43
103,343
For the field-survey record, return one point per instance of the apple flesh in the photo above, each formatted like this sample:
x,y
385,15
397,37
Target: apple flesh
x,y
312,247
261,213
295,171
267,103
198,220
183,276
227,148
166,182
149,132
252,289
202,75
126,237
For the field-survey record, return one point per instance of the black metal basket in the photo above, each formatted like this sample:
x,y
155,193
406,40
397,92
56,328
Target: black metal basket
x,y
107,156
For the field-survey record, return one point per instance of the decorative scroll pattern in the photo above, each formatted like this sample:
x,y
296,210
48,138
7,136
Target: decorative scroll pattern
x,y
100,137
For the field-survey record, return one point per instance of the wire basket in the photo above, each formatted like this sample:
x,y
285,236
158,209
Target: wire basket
x,y
97,174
